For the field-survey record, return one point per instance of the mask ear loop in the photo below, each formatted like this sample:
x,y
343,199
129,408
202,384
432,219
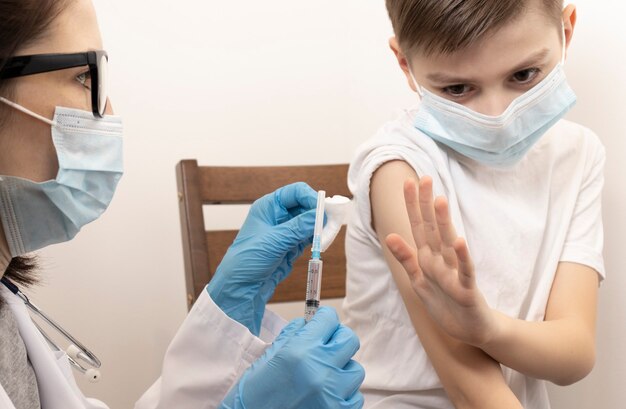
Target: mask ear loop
x,y
28,112
418,87
564,45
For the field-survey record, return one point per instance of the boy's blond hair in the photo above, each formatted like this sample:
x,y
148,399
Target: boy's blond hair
x,y
446,26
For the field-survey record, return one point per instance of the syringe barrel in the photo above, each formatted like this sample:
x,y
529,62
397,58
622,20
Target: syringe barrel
x,y
313,288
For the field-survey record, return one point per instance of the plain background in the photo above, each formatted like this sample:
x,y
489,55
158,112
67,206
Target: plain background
x,y
276,83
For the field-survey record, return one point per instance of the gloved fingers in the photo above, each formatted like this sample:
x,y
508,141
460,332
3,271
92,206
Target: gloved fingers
x,y
322,326
354,374
264,209
282,205
285,335
344,388
283,270
297,195
286,264
293,254
277,276
296,231
342,346
355,402
297,211
289,330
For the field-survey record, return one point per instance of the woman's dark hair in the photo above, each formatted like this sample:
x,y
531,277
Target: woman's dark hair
x,y
22,270
22,22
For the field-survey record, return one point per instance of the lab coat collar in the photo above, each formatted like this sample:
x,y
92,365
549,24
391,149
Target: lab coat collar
x,y
57,388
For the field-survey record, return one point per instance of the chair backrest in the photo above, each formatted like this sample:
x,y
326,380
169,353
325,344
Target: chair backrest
x,y
204,250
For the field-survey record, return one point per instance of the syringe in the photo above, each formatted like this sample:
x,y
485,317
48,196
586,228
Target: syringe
x,y
314,277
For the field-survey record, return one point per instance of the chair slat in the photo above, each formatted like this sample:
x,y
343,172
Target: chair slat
x,y
232,185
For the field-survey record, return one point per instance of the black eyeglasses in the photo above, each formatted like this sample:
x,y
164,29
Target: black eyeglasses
x,y
39,63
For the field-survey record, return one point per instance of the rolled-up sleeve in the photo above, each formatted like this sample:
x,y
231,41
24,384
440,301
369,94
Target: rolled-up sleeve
x,y
585,237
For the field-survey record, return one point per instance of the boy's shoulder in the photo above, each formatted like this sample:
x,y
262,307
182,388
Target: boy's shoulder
x,y
396,139
399,131
403,123
567,134
397,134
573,129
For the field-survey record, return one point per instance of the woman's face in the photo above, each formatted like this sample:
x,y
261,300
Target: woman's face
x,y
26,148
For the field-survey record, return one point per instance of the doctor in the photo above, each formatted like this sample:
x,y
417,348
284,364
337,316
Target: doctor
x,y
60,162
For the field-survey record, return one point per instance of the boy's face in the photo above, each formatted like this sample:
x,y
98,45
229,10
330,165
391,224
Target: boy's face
x,y
487,76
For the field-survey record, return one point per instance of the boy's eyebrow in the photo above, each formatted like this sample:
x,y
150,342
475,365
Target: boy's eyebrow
x,y
534,59
443,78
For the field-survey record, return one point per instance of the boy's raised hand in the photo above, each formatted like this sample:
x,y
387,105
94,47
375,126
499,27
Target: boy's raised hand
x,y
441,270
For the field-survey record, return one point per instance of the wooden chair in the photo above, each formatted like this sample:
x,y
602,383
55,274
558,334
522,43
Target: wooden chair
x,y
204,250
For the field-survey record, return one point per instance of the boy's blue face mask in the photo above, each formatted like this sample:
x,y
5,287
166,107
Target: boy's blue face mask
x,y
502,140
89,150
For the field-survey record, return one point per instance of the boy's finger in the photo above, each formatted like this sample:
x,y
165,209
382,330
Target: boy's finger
x,y
427,209
466,267
411,200
405,255
446,230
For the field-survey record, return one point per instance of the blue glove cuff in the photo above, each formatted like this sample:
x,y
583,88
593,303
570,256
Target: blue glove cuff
x,y
240,309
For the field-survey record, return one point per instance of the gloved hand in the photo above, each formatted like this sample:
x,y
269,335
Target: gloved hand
x,y
307,367
278,228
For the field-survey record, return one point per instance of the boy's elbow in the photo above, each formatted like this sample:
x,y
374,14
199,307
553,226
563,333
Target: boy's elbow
x,y
580,368
574,376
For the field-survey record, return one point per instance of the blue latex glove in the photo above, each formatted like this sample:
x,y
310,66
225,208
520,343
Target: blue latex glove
x,y
278,228
307,367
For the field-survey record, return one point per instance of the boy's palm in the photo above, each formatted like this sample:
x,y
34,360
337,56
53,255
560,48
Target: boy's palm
x,y
440,269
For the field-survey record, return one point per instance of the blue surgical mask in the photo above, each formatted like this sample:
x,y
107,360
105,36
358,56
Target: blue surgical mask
x,y
89,150
502,140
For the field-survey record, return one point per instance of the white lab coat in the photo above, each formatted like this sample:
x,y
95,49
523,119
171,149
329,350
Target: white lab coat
x,y
207,356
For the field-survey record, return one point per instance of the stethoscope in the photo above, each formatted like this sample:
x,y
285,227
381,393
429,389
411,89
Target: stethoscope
x,y
76,351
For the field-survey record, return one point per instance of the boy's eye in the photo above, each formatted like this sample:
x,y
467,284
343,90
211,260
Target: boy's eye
x,y
457,90
84,78
526,76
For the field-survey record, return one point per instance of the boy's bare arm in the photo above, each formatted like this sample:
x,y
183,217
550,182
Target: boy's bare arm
x,y
471,378
560,349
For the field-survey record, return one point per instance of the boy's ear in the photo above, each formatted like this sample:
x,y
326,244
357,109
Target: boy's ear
x,y
569,21
403,62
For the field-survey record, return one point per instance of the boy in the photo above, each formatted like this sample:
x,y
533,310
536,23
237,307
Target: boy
x,y
484,324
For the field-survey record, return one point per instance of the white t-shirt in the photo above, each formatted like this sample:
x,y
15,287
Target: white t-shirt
x,y
519,222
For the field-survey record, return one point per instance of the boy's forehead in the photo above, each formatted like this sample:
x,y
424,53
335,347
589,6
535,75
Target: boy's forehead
x,y
531,34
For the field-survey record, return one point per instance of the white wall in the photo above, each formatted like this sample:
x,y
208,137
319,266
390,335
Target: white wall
x,y
266,83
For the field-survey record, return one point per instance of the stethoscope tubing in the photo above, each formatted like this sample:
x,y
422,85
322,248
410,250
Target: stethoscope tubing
x,y
84,353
